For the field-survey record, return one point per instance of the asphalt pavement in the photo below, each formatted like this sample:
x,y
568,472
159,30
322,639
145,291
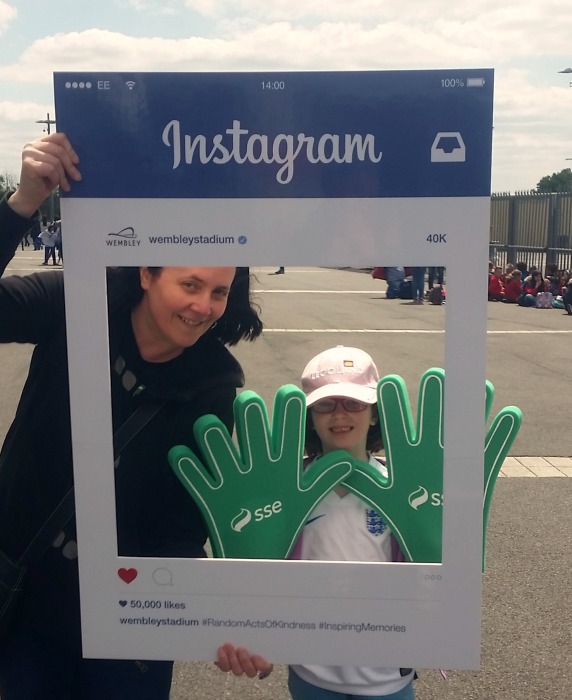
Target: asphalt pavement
x,y
527,612
527,603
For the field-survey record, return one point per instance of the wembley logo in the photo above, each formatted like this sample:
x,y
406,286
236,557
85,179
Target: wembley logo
x,y
125,237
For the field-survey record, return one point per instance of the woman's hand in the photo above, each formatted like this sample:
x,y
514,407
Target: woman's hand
x,y
47,163
241,662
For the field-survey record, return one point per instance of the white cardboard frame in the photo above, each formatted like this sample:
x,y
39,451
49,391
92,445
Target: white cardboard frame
x,y
425,615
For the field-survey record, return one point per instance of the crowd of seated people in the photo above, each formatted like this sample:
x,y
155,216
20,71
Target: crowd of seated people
x,y
515,284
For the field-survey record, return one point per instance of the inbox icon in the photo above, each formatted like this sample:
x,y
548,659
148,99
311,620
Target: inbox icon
x,y
448,147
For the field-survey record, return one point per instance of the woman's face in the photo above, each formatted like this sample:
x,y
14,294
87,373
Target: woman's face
x,y
178,307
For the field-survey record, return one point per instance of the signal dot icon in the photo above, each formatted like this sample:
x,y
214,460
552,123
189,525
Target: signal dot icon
x,y
130,84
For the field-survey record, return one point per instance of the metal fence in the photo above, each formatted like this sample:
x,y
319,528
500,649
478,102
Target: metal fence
x,y
533,228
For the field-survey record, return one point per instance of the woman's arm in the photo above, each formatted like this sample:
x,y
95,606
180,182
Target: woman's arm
x,y
46,163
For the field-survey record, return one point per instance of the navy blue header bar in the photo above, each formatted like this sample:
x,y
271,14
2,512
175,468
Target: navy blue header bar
x,y
279,134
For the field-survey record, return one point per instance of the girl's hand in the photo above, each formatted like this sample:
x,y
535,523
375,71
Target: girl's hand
x,y
46,164
240,662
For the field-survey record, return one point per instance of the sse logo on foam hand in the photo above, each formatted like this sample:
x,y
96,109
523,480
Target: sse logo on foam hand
x,y
421,496
245,516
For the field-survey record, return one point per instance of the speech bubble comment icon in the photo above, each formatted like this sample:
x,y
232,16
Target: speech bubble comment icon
x,y
163,576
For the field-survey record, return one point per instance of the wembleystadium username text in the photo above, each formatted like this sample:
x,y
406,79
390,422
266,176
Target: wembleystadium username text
x,y
176,239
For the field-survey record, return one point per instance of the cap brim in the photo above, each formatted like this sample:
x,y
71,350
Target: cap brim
x,y
367,394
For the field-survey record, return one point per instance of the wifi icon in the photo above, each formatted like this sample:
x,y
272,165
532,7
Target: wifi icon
x,y
130,84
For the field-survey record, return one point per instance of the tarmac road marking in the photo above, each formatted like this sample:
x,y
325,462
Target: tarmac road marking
x,y
540,467
407,330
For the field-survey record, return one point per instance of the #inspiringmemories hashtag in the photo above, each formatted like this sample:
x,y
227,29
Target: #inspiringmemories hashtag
x,y
291,624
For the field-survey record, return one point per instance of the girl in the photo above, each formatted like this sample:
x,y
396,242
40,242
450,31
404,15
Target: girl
x,y
340,387
531,285
496,286
513,287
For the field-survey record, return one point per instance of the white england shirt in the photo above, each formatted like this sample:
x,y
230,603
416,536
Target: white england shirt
x,y
344,528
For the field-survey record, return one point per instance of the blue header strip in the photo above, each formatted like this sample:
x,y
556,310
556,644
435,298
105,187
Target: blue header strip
x,y
283,134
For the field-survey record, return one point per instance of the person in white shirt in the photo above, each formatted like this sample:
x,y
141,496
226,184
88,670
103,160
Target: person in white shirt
x,y
49,239
340,387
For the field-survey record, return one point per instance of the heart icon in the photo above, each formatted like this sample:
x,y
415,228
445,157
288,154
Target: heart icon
x,y
123,603
127,575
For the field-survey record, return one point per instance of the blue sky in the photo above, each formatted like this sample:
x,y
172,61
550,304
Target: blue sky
x,y
527,42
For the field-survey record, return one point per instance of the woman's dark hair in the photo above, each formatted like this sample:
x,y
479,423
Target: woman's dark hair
x,y
313,444
240,320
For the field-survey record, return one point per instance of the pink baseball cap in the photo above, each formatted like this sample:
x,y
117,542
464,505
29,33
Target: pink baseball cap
x,y
340,371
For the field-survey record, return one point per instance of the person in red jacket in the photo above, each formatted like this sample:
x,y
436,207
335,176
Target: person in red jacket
x,y
496,286
513,287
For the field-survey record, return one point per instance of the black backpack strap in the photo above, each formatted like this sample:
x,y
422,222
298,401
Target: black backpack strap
x,y
65,509
49,530
134,424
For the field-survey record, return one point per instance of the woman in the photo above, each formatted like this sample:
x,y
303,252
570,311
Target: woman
x,y
168,329
531,286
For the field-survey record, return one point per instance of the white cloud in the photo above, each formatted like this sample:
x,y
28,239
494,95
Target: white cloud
x,y
491,38
276,45
153,7
7,15
16,111
17,120
524,26
530,120
532,135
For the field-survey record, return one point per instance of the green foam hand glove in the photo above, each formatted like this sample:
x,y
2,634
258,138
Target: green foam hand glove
x,y
411,498
255,500
499,439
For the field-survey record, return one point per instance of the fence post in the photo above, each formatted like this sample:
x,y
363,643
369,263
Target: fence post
x,y
512,230
552,231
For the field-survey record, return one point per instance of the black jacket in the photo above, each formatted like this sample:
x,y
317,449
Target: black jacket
x,y
155,515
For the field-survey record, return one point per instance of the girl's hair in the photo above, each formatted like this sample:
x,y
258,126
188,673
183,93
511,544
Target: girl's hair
x,y
550,269
313,444
240,320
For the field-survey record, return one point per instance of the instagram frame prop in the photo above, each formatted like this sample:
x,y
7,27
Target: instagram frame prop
x,y
327,169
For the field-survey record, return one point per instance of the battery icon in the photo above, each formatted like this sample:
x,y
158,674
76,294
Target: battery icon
x,y
475,82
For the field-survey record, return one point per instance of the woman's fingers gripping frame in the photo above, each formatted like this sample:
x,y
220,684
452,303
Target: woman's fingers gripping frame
x,y
52,158
47,163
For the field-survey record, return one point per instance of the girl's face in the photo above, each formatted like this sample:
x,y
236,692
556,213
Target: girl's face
x,y
344,430
178,307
